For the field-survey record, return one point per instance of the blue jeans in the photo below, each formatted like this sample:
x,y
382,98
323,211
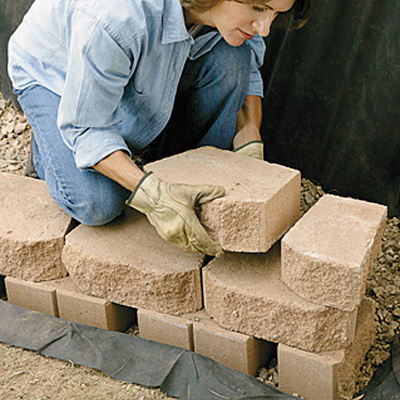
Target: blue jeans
x,y
210,94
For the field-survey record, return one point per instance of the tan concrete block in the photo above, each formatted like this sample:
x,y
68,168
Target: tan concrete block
x,y
329,252
332,375
241,352
126,262
262,200
78,307
32,230
244,293
32,295
164,328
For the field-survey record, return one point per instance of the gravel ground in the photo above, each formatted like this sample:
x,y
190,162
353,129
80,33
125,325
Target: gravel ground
x,y
28,375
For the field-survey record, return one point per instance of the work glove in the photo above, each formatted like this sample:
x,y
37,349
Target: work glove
x,y
253,149
170,209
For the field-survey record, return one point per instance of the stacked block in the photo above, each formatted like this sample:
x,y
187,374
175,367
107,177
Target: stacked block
x,y
329,252
61,298
199,333
302,293
32,230
262,200
126,262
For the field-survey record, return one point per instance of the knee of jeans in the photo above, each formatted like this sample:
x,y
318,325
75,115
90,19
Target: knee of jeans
x,y
95,210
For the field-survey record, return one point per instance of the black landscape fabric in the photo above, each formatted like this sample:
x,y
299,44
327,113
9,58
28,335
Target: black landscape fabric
x,y
180,373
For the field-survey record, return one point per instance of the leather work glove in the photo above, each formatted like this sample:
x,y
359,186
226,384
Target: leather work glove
x,y
253,149
170,209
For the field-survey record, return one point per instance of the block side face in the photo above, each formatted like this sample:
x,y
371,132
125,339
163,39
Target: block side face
x,y
32,261
322,281
312,376
32,296
249,297
162,328
173,293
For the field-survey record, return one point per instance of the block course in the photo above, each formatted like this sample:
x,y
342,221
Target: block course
x,y
198,332
244,293
332,375
32,230
61,298
262,200
327,255
126,262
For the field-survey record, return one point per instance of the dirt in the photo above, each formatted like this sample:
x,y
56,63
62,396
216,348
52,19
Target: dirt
x,y
28,375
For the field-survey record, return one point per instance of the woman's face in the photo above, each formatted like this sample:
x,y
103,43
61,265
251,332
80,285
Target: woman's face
x,y
238,22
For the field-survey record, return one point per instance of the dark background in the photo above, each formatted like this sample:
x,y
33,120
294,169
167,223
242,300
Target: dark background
x,y
332,96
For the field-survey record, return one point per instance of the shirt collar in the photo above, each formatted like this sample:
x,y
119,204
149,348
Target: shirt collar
x,y
174,28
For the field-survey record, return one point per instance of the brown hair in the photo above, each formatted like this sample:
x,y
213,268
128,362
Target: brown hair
x,y
296,17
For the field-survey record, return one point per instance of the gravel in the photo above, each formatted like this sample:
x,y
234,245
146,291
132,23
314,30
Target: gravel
x,y
383,284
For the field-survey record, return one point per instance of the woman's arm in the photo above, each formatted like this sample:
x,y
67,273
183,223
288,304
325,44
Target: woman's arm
x,y
248,122
119,167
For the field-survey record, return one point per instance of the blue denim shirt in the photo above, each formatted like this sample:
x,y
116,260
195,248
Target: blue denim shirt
x,y
116,66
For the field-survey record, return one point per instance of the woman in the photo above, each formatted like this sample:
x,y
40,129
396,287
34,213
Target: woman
x,y
100,81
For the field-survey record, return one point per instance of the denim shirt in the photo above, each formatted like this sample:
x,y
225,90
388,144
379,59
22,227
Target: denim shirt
x,y
116,66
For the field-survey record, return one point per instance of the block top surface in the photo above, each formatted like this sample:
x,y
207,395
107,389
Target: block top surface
x,y
337,229
243,177
257,276
27,211
132,241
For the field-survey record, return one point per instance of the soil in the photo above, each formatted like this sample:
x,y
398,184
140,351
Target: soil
x,y
28,375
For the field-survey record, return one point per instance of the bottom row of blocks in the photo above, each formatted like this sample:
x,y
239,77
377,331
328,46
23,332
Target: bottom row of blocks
x,y
314,376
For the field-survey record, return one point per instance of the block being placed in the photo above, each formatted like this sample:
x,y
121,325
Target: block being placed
x,y
128,263
32,230
332,375
327,255
241,352
245,293
262,200
32,295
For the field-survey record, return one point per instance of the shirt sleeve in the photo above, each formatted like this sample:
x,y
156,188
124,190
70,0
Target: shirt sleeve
x,y
257,45
98,70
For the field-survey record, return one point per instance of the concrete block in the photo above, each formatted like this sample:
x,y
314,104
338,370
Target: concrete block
x,y
327,255
332,375
164,328
262,200
32,295
241,352
126,262
92,311
32,230
245,293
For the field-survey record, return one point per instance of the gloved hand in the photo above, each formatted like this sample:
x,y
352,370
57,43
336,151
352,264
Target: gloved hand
x,y
253,149
170,209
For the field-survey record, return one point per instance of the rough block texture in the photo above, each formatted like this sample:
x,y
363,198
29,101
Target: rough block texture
x,y
32,230
244,293
164,328
262,200
327,255
32,295
241,352
128,263
328,376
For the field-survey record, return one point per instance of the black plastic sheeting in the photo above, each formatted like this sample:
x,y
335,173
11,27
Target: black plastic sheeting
x,y
385,384
332,99
179,372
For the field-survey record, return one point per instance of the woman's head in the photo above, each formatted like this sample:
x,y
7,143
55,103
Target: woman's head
x,y
294,18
